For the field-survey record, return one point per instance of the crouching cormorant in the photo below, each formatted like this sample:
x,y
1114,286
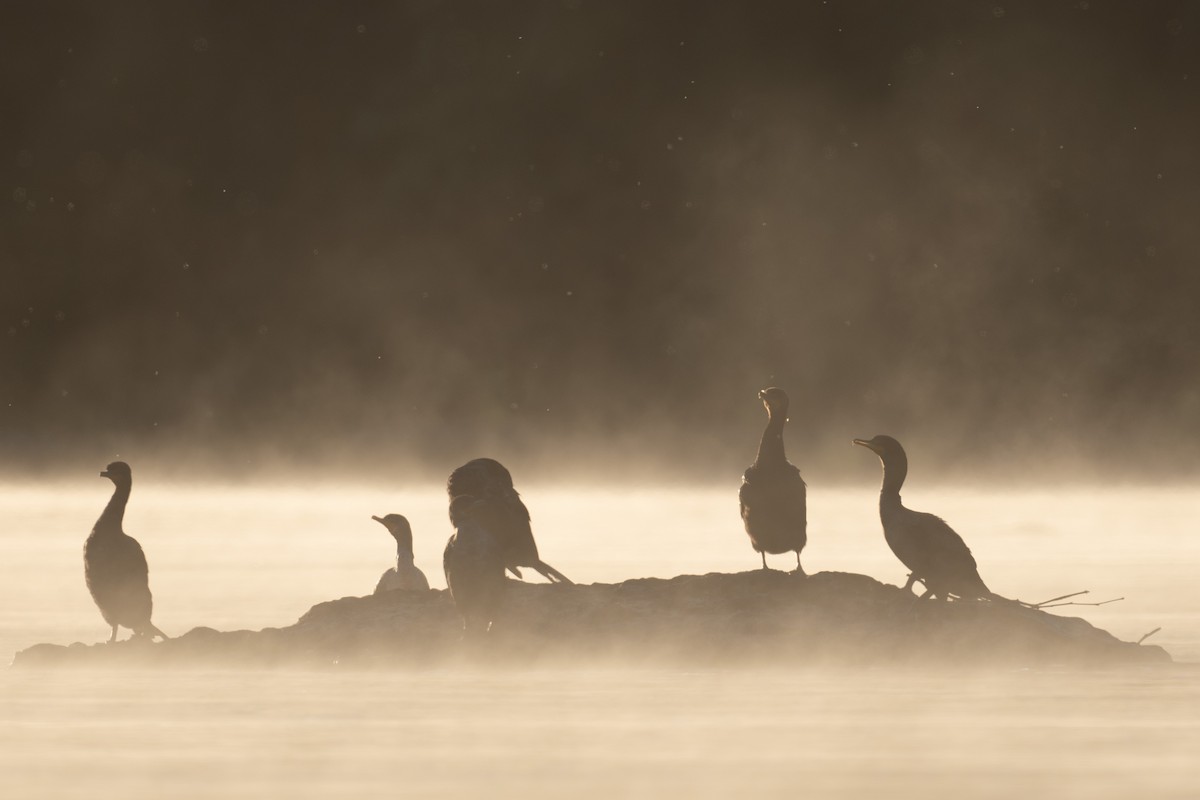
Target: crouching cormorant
x,y
474,565
772,494
505,515
405,575
114,565
937,556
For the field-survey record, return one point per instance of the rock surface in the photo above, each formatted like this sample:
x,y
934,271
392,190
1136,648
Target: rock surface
x,y
755,618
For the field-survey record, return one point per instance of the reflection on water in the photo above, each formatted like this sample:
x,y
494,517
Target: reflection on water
x,y
248,558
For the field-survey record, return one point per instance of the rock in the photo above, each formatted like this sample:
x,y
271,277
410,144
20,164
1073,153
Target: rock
x,y
761,618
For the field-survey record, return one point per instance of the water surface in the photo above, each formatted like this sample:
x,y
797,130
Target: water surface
x,y
246,557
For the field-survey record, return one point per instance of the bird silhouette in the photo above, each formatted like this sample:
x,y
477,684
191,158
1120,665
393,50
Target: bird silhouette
x,y
506,517
114,565
936,555
405,575
772,496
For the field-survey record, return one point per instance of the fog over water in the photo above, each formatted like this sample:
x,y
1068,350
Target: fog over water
x,y
294,262
234,557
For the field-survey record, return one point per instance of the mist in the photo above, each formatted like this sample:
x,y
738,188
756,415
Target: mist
x,y
382,238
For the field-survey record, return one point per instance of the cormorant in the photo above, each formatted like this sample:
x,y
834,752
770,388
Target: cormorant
x,y
505,515
474,565
405,575
772,494
115,566
937,556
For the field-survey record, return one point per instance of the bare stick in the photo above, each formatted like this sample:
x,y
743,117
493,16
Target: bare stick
x,y
1101,603
1056,599
1148,635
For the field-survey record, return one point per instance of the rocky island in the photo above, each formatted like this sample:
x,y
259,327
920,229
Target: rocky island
x,y
761,618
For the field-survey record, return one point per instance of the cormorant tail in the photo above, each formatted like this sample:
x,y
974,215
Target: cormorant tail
x,y
551,573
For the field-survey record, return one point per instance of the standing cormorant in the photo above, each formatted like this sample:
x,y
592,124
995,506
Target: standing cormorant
x,y
506,516
474,565
772,494
405,575
114,565
937,556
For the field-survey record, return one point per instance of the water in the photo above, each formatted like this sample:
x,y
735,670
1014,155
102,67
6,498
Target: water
x,y
248,557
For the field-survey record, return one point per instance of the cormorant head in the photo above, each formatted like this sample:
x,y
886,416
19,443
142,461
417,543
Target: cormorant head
x,y
480,477
775,400
399,528
118,472
883,446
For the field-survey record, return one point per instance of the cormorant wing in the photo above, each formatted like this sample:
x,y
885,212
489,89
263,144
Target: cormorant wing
x,y
942,544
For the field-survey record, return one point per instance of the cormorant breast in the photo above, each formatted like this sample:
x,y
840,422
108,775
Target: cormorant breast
x,y
474,564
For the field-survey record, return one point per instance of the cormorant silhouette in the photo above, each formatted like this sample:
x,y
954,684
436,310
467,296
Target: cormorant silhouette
x,y
772,494
937,556
405,575
474,565
505,515
114,565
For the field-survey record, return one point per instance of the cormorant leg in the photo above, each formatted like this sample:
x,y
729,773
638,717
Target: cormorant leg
x,y
799,569
911,580
113,638
763,553
516,572
927,593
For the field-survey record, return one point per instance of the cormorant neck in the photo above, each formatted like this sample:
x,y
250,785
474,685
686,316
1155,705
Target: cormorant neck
x,y
770,449
895,470
114,512
404,554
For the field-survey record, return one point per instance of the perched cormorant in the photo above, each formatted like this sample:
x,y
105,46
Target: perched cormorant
x,y
937,556
504,514
405,575
115,566
772,494
474,565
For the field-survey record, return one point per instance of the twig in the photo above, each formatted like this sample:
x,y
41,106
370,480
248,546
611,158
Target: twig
x,y
1056,599
1101,603
1148,635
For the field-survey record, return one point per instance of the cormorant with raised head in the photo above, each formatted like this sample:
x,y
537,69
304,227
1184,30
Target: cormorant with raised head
x,y
773,494
506,516
114,565
405,575
937,556
474,565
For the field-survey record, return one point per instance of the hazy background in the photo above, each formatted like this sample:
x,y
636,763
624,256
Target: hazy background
x,y
578,236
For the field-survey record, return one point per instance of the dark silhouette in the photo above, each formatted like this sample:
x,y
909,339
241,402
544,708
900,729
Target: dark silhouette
x,y
405,575
506,517
937,556
772,494
115,566
474,565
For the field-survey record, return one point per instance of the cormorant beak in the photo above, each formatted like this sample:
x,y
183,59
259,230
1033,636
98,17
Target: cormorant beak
x,y
377,519
866,444
760,394
104,474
